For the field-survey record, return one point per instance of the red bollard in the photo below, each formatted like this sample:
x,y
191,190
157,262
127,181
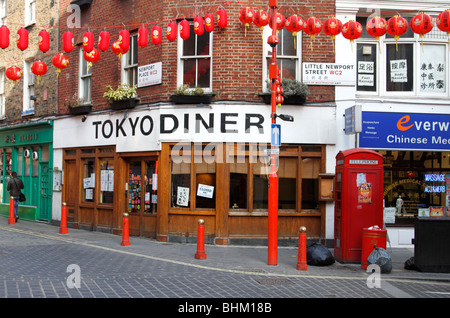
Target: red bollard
x,y
63,226
125,231
301,263
201,240
12,217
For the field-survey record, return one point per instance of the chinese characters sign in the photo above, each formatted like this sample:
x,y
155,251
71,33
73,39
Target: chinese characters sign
x,y
432,70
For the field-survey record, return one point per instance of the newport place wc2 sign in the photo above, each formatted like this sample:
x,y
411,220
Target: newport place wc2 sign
x,y
412,131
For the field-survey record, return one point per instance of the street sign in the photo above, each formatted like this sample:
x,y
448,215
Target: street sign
x,y
274,151
275,135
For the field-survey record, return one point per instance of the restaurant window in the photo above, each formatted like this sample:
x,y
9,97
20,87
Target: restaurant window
x,y
193,176
419,179
88,175
106,180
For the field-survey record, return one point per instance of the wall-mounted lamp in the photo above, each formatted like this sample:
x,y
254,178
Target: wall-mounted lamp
x,y
83,119
33,97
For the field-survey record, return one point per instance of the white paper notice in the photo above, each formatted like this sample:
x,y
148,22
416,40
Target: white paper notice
x,y
205,191
182,196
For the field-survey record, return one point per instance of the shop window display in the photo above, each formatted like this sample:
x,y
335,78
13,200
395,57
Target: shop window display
x,y
415,183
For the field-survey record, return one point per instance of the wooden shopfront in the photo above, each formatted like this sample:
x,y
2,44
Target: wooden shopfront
x,y
168,168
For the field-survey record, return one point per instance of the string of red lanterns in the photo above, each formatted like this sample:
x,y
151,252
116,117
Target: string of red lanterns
x,y
376,27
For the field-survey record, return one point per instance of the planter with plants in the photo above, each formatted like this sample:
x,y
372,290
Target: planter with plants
x,y
77,106
124,97
185,95
294,92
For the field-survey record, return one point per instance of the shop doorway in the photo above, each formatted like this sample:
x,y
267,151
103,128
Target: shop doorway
x,y
141,189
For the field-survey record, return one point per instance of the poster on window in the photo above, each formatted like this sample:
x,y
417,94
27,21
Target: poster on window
x,y
182,196
432,69
399,71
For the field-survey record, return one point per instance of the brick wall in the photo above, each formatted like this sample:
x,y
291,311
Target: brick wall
x,y
237,59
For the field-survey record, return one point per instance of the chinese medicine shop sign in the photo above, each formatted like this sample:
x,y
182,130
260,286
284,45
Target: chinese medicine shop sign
x,y
405,131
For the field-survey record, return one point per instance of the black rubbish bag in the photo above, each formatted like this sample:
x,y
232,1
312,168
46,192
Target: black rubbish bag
x,y
318,255
380,257
409,264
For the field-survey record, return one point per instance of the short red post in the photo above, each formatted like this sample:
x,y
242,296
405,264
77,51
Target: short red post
x,y
12,217
125,231
201,240
63,226
301,263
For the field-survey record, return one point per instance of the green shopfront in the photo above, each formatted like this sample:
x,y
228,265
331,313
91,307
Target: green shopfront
x,y
27,149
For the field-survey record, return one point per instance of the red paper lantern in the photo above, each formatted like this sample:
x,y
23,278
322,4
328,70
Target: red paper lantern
x,y
14,73
222,18
397,26
261,19
171,32
199,27
44,41
22,39
332,27
376,27
117,48
209,22
352,30
185,29
421,24
443,22
156,34
39,68
60,61
4,37
124,40
68,41
312,26
294,24
246,16
103,41
281,21
142,36
88,41
92,57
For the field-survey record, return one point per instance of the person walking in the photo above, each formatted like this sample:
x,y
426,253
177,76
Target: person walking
x,y
15,185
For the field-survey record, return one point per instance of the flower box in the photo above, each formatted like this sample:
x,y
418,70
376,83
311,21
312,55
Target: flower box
x,y
80,110
192,99
124,103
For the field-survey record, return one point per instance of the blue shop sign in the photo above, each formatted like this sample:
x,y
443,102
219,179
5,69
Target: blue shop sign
x,y
409,131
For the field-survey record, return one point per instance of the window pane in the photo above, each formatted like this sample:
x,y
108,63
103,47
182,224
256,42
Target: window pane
x,y
189,44
366,68
107,180
203,44
432,69
189,67
260,185
181,183
88,180
310,183
205,185
288,47
151,187
134,187
204,69
288,68
238,183
287,183
399,64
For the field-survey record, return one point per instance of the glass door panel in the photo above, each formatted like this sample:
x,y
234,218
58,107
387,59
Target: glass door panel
x,y
134,187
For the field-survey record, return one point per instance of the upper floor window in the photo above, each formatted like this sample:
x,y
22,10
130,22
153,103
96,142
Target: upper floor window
x,y
85,80
28,89
130,63
30,12
288,55
194,60
410,66
3,11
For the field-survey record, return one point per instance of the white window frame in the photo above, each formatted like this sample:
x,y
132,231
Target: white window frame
x,y
180,58
3,11
29,80
84,78
381,69
267,54
30,12
126,67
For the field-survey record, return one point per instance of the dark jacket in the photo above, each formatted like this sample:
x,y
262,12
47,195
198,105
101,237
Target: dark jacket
x,y
14,187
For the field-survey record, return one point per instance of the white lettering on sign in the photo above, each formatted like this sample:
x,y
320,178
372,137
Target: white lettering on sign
x,y
363,162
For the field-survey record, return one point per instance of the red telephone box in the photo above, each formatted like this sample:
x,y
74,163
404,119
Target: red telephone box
x,y
358,192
